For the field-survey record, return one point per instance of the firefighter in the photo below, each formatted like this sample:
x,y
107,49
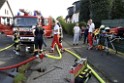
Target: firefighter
x,y
16,41
38,39
98,34
56,37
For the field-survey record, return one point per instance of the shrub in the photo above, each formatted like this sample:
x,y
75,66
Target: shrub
x,y
69,28
19,78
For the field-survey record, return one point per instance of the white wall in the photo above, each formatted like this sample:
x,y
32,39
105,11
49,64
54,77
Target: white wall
x,y
5,11
75,17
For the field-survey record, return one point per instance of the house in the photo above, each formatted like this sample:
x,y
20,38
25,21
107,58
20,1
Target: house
x,y
75,17
6,13
70,14
73,12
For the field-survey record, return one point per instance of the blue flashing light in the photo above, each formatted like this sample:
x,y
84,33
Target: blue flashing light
x,y
35,13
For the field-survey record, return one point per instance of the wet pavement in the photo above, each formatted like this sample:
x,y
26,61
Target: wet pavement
x,y
110,67
59,74
8,57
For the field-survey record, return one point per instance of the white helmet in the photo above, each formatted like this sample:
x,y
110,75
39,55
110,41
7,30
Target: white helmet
x,y
102,26
107,28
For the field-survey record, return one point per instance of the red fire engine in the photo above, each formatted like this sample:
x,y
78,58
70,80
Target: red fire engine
x,y
22,26
118,31
25,22
6,25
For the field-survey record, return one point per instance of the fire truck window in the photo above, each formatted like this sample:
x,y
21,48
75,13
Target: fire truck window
x,y
25,21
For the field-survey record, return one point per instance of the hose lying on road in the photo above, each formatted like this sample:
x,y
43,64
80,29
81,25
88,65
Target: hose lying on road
x,y
6,47
93,72
21,63
31,59
55,57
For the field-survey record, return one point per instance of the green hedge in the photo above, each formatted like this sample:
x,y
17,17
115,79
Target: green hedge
x,y
68,27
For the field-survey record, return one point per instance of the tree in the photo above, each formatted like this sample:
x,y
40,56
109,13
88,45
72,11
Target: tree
x,y
100,9
84,10
117,9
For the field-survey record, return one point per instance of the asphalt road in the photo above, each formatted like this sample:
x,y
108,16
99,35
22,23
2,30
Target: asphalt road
x,y
8,57
110,66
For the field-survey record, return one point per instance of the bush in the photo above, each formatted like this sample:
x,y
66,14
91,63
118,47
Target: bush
x,y
19,78
69,28
63,23
82,24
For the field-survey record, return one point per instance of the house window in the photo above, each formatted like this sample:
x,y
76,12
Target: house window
x,y
5,11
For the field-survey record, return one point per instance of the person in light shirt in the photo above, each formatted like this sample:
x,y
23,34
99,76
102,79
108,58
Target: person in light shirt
x,y
56,36
76,31
90,33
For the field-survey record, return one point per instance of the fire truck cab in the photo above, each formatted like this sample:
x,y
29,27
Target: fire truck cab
x,y
23,25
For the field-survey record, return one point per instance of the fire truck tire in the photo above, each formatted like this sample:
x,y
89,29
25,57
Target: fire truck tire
x,y
22,50
31,50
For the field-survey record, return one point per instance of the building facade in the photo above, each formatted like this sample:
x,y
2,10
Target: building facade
x,y
6,13
73,12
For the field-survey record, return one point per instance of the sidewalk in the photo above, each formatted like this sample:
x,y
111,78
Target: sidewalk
x,y
111,66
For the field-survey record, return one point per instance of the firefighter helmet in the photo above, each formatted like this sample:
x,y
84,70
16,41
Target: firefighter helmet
x,y
102,26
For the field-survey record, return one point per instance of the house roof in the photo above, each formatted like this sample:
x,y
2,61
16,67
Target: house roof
x,y
76,2
1,3
70,7
10,8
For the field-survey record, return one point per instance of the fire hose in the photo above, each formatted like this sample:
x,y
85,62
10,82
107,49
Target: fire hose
x,y
49,56
31,59
93,72
21,63
55,57
6,47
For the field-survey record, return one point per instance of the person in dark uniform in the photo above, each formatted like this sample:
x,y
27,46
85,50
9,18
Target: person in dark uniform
x,y
85,34
16,41
38,39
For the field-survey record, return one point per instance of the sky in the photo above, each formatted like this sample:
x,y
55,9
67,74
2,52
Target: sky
x,y
52,8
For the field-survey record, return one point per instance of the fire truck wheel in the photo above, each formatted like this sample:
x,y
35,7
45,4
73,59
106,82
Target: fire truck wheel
x,y
22,50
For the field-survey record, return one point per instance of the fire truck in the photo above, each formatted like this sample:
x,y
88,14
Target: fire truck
x,y
6,25
117,31
23,25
